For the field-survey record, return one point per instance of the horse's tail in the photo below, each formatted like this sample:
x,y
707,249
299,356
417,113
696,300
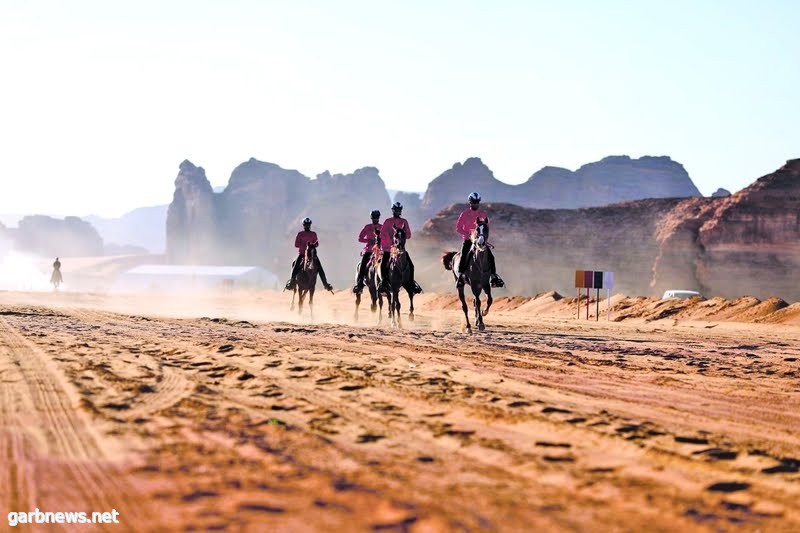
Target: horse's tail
x,y
447,260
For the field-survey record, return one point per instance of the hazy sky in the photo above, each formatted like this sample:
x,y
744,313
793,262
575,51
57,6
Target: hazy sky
x,y
101,100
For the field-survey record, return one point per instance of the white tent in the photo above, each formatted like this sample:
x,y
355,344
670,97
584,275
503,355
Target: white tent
x,y
195,277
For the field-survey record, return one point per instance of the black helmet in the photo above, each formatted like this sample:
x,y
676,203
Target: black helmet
x,y
306,221
375,213
397,205
474,198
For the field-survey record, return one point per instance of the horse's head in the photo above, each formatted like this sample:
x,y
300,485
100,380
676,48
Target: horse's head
x,y
399,238
311,255
481,233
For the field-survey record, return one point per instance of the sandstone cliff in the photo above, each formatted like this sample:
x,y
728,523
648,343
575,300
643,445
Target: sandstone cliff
x,y
744,244
611,180
255,218
192,218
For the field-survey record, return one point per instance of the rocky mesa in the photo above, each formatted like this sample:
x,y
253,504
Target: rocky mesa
x,y
746,243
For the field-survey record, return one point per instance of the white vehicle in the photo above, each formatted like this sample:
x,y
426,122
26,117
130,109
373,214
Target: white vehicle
x,y
680,294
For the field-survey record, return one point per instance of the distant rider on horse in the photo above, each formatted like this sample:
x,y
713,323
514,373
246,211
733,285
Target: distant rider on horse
x,y
387,235
467,222
367,236
301,242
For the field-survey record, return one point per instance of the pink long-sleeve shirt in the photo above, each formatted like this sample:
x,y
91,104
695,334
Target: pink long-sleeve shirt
x,y
303,239
468,221
387,231
367,236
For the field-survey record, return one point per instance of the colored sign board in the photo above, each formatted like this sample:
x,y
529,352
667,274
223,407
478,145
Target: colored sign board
x,y
598,279
608,280
588,279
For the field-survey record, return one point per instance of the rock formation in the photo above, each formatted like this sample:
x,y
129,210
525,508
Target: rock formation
x,y
744,244
611,180
254,219
720,193
47,236
192,218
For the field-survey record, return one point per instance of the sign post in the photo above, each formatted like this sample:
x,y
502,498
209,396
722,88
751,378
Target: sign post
x,y
588,283
608,283
598,284
578,286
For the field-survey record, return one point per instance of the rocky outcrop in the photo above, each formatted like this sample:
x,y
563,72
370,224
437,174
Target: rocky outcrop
x,y
454,185
744,244
720,193
48,236
254,219
611,180
538,250
752,241
192,218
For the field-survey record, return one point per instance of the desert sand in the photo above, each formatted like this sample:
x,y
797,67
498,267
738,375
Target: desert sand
x,y
227,412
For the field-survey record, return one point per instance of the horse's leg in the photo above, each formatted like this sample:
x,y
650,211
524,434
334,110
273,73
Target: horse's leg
x,y
410,292
311,302
380,307
397,307
294,293
464,307
301,293
358,302
489,299
477,302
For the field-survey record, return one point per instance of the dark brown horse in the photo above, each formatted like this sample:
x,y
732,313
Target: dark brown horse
x,y
372,280
399,277
477,274
306,280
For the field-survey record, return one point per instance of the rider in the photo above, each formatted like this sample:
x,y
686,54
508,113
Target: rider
x,y
367,236
387,234
466,223
301,242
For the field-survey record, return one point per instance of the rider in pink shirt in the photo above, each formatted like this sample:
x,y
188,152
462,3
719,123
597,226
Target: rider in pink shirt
x,y
387,234
301,242
367,236
466,223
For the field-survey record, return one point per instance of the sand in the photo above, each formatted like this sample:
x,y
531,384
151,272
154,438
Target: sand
x,y
227,412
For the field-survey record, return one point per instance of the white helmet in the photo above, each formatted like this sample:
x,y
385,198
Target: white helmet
x,y
474,198
306,221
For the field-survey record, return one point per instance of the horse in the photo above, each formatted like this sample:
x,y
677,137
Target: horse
x,y
477,274
371,280
399,277
306,280
56,279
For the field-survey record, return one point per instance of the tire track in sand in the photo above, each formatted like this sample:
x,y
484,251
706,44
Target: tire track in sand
x,y
58,450
171,385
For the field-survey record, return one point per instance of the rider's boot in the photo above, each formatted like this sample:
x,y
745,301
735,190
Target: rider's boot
x,y
289,285
461,280
496,281
417,289
359,286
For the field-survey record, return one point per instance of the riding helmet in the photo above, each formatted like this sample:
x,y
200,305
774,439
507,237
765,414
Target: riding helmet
x,y
474,198
397,205
375,213
306,221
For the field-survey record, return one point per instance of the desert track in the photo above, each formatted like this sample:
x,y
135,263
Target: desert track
x,y
229,424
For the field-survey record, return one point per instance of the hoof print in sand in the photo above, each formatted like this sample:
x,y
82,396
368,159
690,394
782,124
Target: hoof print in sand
x,y
368,437
555,410
718,453
728,486
691,440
